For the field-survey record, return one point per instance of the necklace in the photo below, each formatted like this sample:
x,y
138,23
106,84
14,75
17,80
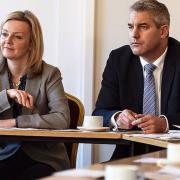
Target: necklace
x,y
16,85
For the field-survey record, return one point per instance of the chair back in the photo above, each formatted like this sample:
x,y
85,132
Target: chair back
x,y
77,116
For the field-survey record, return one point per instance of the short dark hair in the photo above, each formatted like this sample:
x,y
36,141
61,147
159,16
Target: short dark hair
x,y
158,10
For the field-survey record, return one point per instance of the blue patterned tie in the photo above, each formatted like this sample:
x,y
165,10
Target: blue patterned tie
x,y
149,98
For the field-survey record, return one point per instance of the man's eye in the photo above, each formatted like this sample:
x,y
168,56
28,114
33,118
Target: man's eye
x,y
3,34
130,27
144,27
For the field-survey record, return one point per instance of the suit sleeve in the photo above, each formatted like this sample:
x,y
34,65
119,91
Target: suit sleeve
x,y
108,100
53,114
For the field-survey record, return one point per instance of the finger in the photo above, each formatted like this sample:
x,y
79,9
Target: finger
x,y
28,104
18,97
126,121
144,124
125,118
148,131
23,97
129,115
137,122
122,124
31,101
137,116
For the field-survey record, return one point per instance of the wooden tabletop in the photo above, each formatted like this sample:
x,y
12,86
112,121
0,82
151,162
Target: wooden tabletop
x,y
147,169
150,141
76,136
60,135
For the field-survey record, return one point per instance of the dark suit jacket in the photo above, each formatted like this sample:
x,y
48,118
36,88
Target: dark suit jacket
x,y
123,84
50,111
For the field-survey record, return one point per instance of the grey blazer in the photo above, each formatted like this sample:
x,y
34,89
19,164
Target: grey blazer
x,y
50,112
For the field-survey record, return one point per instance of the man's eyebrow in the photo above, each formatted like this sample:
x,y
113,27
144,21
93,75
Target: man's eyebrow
x,y
4,30
142,24
139,24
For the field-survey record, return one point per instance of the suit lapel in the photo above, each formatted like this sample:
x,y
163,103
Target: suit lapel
x,y
5,81
139,84
167,80
32,87
135,85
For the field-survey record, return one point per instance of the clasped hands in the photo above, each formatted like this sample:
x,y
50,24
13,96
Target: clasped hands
x,y
127,119
21,97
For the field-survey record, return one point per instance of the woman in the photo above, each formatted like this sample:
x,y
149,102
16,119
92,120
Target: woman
x,y
31,96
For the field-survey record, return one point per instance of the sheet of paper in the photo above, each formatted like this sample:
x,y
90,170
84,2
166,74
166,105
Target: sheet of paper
x,y
176,126
171,135
81,173
147,160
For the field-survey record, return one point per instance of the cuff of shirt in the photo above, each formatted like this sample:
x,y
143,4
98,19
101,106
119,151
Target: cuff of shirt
x,y
113,121
167,124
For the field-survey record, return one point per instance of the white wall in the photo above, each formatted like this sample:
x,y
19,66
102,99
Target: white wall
x,y
44,13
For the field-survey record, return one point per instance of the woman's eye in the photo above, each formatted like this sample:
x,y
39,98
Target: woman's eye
x,y
19,37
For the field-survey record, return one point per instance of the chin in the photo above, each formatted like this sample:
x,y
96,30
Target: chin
x,y
137,53
8,57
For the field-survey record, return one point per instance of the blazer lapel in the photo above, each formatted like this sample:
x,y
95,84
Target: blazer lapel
x,y
135,87
139,85
167,80
32,87
5,81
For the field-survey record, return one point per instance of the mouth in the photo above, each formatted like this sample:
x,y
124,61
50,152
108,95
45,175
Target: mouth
x,y
8,48
135,43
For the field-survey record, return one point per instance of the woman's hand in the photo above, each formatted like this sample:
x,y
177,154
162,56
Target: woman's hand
x,y
8,123
21,97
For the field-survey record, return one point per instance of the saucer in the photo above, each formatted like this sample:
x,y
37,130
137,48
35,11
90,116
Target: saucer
x,y
164,162
98,129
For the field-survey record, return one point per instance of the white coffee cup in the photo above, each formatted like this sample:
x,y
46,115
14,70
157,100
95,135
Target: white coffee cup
x,y
93,121
173,153
121,172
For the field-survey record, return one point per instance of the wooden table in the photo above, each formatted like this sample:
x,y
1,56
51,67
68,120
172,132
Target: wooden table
x,y
60,136
149,141
77,137
145,168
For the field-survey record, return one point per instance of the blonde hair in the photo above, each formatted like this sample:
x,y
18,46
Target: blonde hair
x,y
34,63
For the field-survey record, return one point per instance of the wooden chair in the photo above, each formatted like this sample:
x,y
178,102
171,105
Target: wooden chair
x,y
77,116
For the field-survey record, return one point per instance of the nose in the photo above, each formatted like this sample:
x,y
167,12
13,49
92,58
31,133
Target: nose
x,y
9,38
135,32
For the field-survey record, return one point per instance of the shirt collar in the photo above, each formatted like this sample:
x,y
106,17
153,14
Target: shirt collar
x,y
159,62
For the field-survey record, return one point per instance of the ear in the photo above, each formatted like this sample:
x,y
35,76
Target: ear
x,y
164,31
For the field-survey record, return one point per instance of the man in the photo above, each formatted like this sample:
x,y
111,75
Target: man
x,y
122,100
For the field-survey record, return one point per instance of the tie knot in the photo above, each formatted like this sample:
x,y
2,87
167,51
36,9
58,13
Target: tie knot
x,y
149,68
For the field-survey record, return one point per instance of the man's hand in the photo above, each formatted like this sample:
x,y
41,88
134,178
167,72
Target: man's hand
x,y
125,118
21,97
150,123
